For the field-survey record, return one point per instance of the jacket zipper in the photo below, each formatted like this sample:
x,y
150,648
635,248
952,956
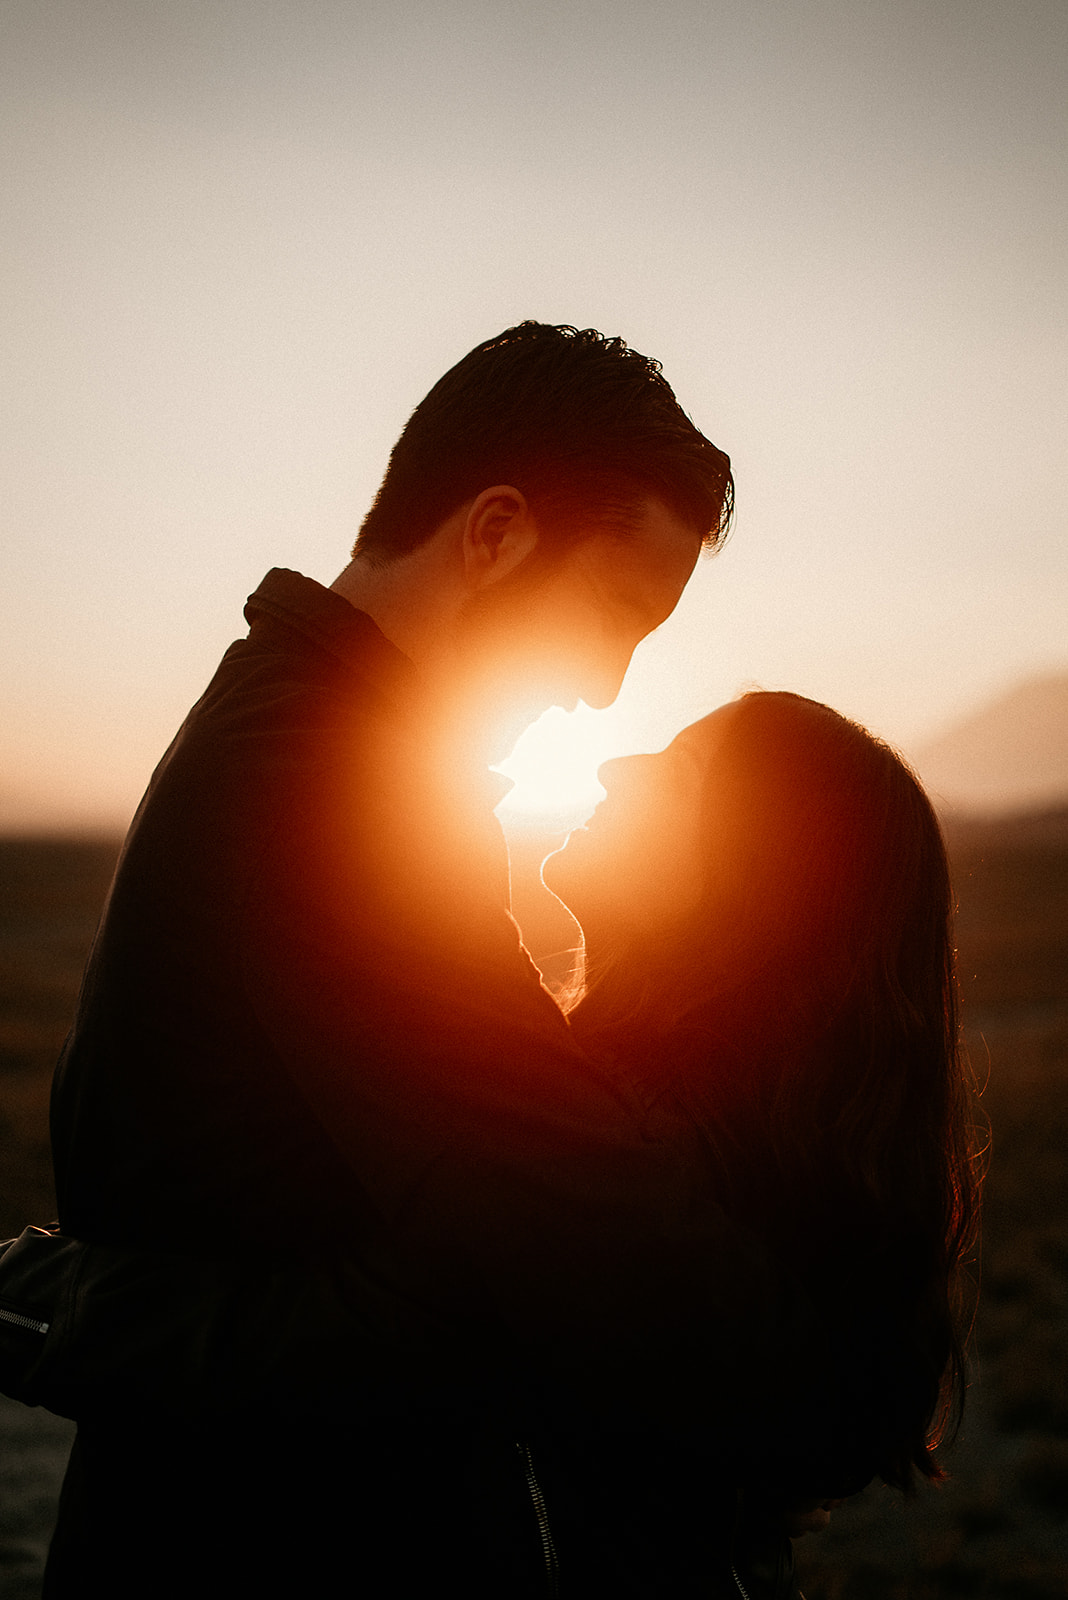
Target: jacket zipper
x,y
744,1592
23,1322
552,1565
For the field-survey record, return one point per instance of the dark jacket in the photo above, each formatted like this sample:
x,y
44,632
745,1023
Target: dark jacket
x,y
308,1032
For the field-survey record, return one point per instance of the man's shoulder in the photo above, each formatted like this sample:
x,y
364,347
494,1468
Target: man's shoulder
x,y
297,725
310,673
298,623
320,615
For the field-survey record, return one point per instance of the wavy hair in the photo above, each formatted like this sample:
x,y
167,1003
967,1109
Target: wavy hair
x,y
583,425
804,1017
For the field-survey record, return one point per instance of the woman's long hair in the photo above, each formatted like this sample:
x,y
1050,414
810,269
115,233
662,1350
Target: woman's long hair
x,y
805,1018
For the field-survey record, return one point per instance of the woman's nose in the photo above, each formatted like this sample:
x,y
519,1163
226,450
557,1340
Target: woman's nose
x,y
620,770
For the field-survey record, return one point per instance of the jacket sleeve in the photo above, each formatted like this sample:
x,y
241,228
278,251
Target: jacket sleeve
x,y
110,1330
89,1328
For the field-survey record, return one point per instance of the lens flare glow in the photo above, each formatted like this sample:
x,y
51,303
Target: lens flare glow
x,y
554,767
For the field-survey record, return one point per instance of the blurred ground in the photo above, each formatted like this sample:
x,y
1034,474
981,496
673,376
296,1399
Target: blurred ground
x,y
998,1529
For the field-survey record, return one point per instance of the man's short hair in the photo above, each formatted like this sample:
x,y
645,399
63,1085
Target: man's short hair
x,y
586,428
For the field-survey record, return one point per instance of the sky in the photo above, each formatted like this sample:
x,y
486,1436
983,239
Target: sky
x,y
242,238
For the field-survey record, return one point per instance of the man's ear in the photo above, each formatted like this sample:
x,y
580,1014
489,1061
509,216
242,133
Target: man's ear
x,y
499,534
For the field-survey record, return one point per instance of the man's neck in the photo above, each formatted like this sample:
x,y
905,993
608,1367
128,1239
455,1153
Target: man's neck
x,y
410,600
416,603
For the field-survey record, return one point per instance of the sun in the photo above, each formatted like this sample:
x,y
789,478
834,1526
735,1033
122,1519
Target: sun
x,y
554,768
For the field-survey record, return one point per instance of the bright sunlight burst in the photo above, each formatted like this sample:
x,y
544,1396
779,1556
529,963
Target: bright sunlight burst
x,y
554,767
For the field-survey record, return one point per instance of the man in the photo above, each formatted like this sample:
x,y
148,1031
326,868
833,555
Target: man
x,y
308,1031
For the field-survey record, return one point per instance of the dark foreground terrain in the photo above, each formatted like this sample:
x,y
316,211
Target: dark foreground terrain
x,y
999,1527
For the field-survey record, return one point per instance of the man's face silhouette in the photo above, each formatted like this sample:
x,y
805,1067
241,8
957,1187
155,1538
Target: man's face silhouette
x,y
563,627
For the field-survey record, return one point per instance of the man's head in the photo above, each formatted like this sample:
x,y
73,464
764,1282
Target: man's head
x,y
541,513
586,428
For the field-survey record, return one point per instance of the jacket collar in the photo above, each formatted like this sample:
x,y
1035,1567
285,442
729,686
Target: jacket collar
x,y
330,621
336,626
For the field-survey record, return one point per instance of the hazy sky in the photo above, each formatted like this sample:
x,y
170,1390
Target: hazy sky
x,y
242,238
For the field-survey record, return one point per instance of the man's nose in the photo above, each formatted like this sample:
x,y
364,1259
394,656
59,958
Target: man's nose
x,y
601,688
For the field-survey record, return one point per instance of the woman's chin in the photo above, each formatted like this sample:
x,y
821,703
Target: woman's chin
x,y
553,874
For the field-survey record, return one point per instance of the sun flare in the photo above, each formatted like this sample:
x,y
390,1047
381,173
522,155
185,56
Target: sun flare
x,y
554,767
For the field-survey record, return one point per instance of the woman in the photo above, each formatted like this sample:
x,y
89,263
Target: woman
x,y
766,911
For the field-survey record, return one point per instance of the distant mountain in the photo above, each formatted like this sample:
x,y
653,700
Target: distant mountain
x,y
1012,755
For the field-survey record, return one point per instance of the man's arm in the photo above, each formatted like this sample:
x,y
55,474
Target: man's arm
x,y
109,1329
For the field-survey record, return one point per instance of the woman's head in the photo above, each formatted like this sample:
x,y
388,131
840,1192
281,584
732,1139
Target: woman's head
x,y
768,914
773,834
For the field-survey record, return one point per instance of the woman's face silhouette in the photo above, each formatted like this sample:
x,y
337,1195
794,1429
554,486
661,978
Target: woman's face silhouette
x,y
641,863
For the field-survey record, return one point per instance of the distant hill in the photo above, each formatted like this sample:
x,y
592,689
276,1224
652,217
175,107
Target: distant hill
x,y
1012,755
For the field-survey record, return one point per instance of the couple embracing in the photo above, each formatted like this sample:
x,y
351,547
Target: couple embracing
x,y
390,1278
